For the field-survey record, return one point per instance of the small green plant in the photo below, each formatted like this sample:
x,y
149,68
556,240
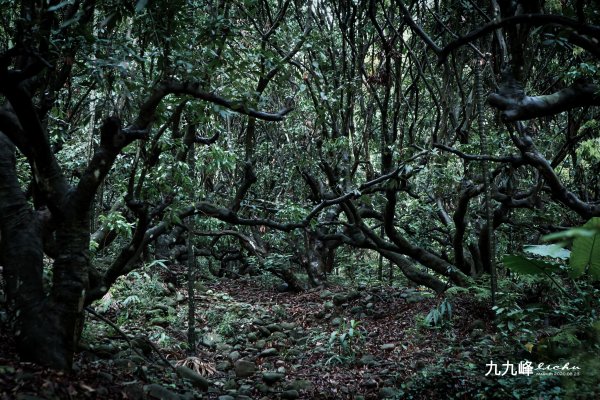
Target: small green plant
x,y
439,316
346,342
226,325
213,318
518,324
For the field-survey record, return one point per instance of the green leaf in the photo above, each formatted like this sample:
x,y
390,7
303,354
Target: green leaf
x,y
332,337
141,4
548,250
528,266
586,251
570,234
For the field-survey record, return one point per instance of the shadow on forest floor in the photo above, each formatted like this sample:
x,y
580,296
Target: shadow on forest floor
x,y
257,343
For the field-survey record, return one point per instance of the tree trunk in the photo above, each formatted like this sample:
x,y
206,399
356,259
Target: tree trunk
x,y
319,259
46,326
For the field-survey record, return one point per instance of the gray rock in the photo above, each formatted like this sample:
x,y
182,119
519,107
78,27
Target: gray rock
x,y
123,363
134,391
274,327
278,336
187,396
369,383
226,397
388,346
300,384
270,352
290,394
105,350
262,388
298,334
263,331
223,366
271,378
244,368
137,360
387,393
367,360
356,310
223,347
336,321
288,326
266,318
282,287
234,356
155,391
245,390
294,353
193,377
340,299
230,385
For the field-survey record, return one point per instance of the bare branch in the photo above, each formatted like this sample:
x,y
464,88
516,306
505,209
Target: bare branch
x,y
557,189
528,107
193,89
477,157
530,19
417,29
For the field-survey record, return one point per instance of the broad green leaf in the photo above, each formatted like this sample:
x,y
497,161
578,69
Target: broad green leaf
x,y
528,266
141,4
570,234
548,250
586,251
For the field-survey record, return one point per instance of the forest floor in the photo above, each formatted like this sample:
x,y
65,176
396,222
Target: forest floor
x,y
254,342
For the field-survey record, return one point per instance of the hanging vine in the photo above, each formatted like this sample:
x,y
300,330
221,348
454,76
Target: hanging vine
x,y
479,63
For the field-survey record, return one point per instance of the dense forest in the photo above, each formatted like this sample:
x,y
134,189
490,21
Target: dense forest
x,y
280,199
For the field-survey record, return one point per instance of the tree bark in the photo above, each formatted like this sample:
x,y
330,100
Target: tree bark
x,y
518,108
46,326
